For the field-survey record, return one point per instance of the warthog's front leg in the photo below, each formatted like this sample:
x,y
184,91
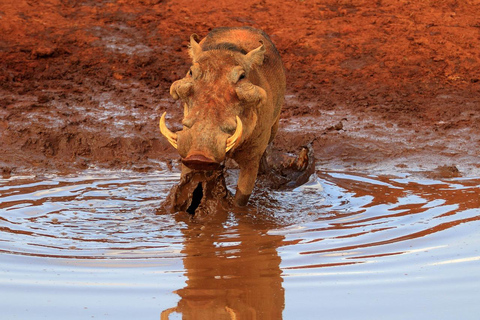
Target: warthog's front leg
x,y
246,181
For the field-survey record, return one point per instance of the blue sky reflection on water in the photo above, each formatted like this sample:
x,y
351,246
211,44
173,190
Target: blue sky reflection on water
x,y
346,245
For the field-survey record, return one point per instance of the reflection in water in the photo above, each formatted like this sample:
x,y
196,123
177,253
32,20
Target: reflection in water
x,y
233,272
92,245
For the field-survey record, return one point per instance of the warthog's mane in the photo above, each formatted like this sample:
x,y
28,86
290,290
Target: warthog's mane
x,y
217,32
224,46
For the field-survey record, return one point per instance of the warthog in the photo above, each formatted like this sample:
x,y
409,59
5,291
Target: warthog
x,y
232,97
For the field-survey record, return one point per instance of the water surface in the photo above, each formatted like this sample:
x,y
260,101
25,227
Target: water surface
x,y
346,245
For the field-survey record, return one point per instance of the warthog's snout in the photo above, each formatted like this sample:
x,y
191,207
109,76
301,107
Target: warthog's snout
x,y
198,161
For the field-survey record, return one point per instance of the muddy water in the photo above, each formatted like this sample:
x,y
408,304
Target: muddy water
x,y
346,245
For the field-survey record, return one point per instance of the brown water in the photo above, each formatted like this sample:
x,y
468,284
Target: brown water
x,y
345,246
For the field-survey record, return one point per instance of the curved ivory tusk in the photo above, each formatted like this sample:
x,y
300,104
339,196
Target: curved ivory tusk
x,y
171,137
235,138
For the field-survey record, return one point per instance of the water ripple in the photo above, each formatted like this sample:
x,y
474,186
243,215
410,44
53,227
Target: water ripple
x,y
337,218
373,217
97,215
342,240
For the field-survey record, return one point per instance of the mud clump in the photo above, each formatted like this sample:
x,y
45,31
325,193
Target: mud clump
x,y
445,172
202,194
287,171
199,193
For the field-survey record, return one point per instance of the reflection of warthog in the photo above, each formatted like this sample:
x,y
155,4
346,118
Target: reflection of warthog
x,y
232,98
231,275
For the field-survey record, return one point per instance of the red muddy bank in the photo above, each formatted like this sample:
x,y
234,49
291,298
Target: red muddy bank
x,y
372,84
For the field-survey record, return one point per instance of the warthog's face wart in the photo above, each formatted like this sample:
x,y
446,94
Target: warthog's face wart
x,y
220,104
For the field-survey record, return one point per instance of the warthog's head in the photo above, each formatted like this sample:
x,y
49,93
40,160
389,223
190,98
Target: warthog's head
x,y
220,103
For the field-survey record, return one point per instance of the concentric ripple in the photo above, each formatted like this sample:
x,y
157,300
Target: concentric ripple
x,y
343,240
96,215
370,217
102,214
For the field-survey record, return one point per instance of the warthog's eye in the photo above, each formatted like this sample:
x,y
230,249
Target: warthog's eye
x,y
241,76
237,74
194,72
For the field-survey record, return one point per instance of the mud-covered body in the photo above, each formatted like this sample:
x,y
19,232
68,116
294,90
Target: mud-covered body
x,y
232,95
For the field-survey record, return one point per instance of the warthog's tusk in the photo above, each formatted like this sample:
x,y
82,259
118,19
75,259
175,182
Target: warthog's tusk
x,y
171,137
232,141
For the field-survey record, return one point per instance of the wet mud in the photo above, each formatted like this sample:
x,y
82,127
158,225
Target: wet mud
x,y
204,194
370,84
199,194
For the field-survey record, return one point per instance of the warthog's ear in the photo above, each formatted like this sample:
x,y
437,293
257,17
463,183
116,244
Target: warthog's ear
x,y
256,56
195,48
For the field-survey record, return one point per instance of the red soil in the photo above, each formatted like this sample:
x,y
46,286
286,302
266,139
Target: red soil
x,y
370,83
